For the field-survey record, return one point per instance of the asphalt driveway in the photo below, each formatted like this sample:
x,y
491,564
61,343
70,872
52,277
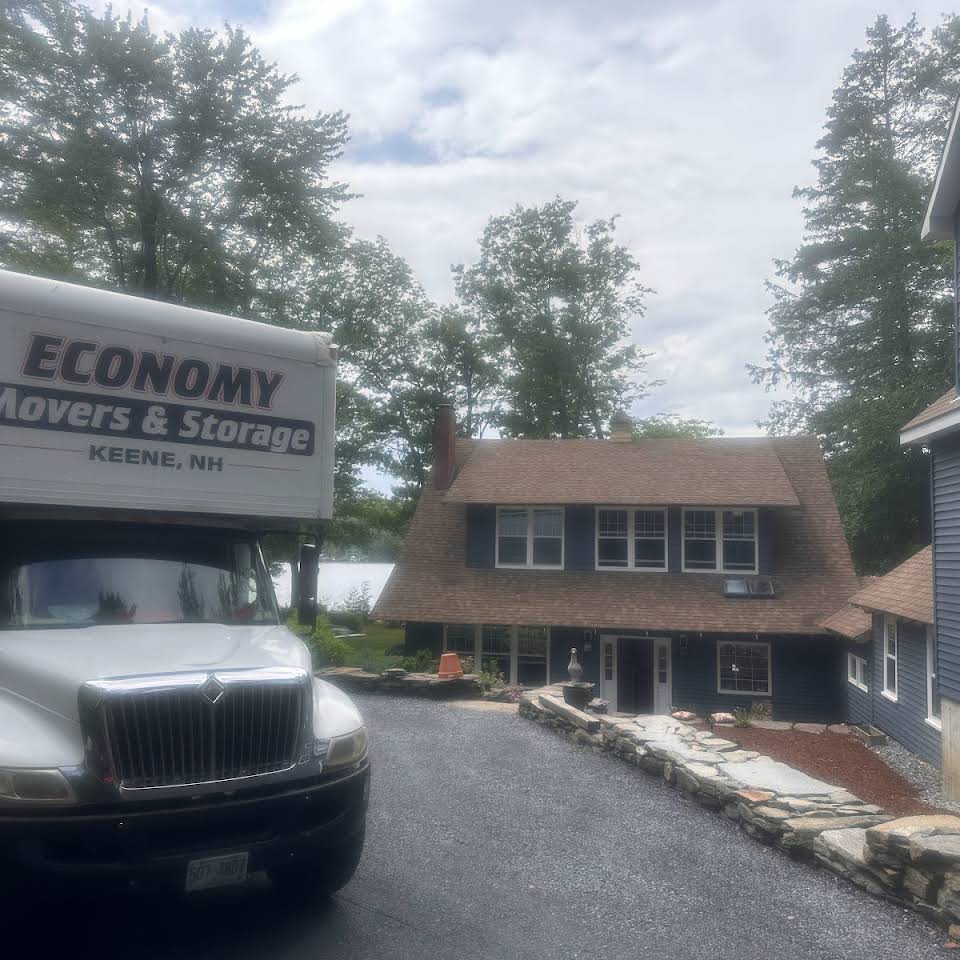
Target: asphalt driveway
x,y
492,838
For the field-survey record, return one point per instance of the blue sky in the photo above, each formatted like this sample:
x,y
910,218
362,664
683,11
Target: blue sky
x,y
693,120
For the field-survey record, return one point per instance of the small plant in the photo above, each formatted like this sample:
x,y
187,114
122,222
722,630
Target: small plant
x,y
741,717
423,661
466,664
490,676
326,648
514,691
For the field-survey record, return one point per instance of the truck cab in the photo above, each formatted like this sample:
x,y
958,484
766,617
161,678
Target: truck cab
x,y
158,720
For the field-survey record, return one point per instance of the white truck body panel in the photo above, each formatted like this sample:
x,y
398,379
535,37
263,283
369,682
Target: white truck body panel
x,y
114,401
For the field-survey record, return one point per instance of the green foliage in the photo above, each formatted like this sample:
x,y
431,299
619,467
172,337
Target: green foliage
x,y
671,426
340,617
357,601
171,166
326,648
742,718
555,304
490,676
861,323
423,661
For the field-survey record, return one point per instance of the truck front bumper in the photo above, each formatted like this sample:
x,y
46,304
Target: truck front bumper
x,y
152,844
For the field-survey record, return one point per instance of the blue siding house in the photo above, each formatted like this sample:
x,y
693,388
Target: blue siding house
x,y
890,663
687,573
937,429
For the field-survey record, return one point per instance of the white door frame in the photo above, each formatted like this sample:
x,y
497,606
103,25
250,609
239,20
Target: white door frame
x,y
662,697
608,688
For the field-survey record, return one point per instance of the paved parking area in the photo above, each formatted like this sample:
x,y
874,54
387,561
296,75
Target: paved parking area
x,y
492,838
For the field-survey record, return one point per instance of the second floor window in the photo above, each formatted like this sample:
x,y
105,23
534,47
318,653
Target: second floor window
x,y
631,539
720,540
530,537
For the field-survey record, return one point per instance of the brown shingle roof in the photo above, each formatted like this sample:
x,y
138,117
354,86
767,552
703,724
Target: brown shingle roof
x,y
906,591
811,568
714,472
849,621
945,404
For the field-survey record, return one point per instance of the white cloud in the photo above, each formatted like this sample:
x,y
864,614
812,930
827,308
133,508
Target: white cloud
x,y
694,121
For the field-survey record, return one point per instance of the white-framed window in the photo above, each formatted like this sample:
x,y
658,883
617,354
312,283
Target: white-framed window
x,y
631,538
933,688
890,657
720,541
857,671
461,639
530,537
743,668
520,653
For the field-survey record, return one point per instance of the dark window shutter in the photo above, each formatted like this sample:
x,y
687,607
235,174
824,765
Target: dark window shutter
x,y
578,531
766,534
674,537
481,537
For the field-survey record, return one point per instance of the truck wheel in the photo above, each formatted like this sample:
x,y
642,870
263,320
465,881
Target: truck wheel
x,y
320,875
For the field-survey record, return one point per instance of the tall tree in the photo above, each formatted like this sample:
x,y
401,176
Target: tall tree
x,y
556,303
861,327
464,359
172,167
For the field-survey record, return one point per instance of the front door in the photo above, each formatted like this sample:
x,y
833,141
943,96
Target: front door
x,y
635,675
661,678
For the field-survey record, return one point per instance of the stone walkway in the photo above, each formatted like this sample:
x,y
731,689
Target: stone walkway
x,y
913,860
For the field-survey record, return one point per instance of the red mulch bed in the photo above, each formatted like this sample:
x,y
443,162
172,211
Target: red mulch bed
x,y
835,758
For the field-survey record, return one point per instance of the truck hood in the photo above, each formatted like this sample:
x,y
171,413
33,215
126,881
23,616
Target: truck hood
x,y
48,667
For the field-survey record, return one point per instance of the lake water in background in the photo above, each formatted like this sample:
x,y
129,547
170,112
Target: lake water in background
x,y
337,579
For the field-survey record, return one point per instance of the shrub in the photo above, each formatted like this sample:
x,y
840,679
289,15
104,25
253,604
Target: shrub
x,y
467,664
423,661
354,622
741,717
490,676
326,648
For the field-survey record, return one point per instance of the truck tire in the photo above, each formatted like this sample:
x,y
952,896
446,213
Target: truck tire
x,y
321,875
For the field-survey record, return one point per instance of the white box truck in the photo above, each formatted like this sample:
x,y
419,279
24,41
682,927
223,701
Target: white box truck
x,y
157,720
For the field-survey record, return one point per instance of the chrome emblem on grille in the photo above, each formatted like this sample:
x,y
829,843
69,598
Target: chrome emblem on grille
x,y
212,688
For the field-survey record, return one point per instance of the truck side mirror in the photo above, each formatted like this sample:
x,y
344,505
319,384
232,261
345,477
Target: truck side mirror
x,y
309,571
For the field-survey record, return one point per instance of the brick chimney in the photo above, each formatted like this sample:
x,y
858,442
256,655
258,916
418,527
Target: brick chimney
x,y
621,427
444,445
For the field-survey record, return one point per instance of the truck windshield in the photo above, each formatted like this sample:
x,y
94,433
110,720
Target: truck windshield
x,y
81,577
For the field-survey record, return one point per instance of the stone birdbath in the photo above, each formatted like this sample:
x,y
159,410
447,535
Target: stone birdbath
x,y
576,691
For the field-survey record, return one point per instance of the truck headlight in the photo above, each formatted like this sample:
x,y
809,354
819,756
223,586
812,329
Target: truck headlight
x,y
343,751
35,786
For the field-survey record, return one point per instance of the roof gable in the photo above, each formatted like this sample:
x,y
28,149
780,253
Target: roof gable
x,y
906,591
668,472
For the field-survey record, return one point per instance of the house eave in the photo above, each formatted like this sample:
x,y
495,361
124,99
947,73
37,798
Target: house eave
x,y
938,219
931,429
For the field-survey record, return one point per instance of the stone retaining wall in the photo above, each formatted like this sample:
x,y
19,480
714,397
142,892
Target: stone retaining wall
x,y
914,861
396,680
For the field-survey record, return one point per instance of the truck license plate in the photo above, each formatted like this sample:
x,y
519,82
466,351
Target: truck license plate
x,y
216,871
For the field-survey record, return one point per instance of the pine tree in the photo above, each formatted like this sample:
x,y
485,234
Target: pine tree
x,y
861,324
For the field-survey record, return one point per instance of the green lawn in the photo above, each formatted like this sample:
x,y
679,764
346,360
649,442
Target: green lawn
x,y
370,650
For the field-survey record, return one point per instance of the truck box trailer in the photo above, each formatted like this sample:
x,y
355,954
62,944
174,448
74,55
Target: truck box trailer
x,y
157,720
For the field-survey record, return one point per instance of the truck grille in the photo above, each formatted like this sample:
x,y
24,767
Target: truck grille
x,y
210,731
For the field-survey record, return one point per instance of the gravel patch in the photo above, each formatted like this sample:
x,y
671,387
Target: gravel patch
x,y
923,776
